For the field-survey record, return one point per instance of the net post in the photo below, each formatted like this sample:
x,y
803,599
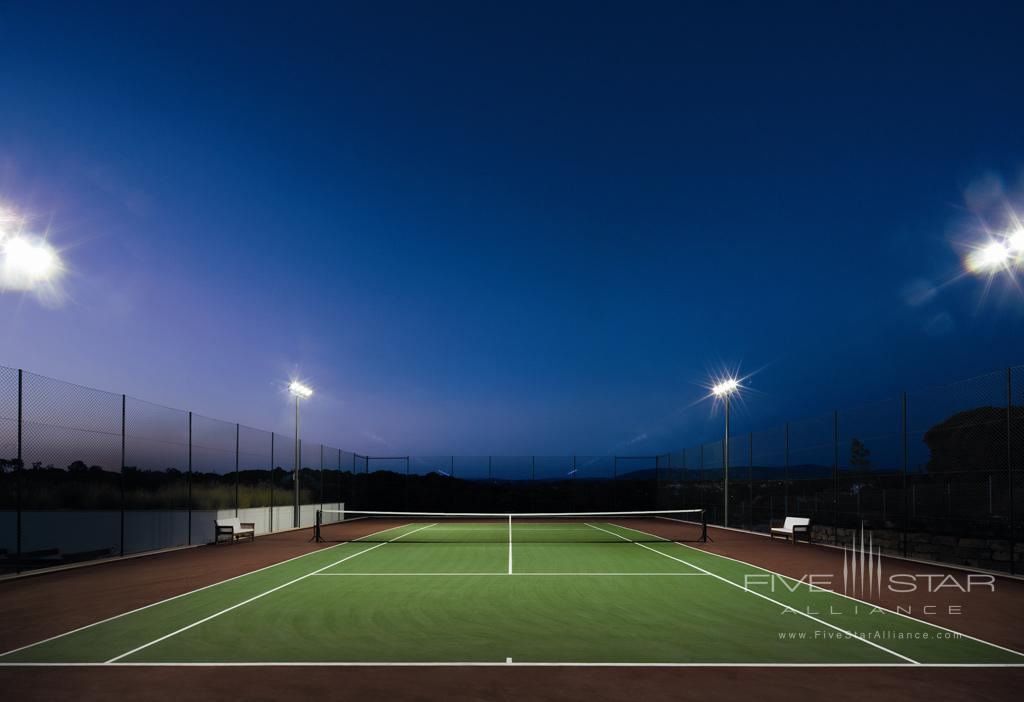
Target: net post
x,y
316,527
703,526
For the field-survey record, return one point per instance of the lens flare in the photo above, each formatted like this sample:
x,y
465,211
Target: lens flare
x,y
988,258
1015,242
27,262
1001,250
8,221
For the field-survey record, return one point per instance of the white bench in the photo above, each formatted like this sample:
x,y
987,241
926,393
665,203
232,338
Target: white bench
x,y
234,529
792,528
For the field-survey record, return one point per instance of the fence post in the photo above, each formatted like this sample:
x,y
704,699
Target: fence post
x,y
1009,467
19,464
835,477
700,475
272,482
123,407
237,477
321,477
906,467
188,479
991,511
785,473
682,479
750,475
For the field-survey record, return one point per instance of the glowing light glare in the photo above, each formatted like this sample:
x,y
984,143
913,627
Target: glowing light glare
x,y
993,255
27,262
8,218
299,390
1015,242
725,387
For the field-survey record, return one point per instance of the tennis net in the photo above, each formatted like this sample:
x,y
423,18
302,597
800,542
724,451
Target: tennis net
x,y
487,527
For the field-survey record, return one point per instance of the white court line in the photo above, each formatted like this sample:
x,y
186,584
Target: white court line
x,y
758,594
388,575
834,592
525,664
519,527
262,594
198,589
510,548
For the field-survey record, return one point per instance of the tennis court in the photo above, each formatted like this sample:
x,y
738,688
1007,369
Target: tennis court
x,y
512,590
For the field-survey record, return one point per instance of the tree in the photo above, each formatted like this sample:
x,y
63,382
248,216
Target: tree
x,y
860,455
975,439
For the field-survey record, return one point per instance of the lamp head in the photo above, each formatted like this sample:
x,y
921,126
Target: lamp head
x,y
725,387
299,390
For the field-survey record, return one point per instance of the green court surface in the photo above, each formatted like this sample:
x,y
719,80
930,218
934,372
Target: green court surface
x,y
471,595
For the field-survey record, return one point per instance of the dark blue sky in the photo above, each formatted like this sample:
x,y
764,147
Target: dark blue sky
x,y
523,229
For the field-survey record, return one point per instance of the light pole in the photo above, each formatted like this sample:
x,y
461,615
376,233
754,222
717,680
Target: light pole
x,y
724,390
301,392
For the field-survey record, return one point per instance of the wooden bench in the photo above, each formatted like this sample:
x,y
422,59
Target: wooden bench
x,y
234,529
793,528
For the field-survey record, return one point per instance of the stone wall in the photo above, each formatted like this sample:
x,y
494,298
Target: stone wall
x,y
989,554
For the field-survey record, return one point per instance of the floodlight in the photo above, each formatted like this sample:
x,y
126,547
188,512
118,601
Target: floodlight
x,y
27,262
994,254
725,387
988,258
299,390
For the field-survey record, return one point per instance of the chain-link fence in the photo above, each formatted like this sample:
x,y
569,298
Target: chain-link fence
x,y
935,474
85,474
